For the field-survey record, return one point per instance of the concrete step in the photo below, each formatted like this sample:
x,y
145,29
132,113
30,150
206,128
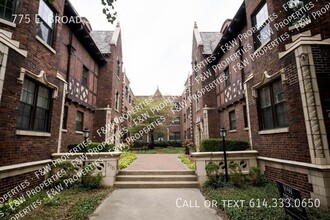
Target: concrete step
x,y
156,172
156,184
156,178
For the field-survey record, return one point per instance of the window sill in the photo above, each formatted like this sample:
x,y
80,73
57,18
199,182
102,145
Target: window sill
x,y
45,44
32,133
64,130
246,129
232,131
79,132
275,131
300,25
262,46
9,23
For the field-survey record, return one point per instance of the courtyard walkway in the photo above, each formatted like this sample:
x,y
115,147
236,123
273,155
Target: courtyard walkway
x,y
157,162
160,204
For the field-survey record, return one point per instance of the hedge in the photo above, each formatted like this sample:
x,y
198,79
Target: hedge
x,y
212,145
139,144
93,147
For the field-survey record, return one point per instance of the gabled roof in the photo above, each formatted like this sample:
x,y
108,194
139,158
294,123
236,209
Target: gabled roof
x,y
102,40
158,94
210,41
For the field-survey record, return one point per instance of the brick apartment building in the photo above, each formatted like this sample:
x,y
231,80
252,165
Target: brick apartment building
x,y
200,108
173,130
55,80
276,55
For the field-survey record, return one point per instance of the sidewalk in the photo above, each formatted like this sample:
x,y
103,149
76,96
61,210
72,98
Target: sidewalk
x,y
151,204
157,162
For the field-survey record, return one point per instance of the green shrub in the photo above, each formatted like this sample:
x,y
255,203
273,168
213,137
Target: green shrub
x,y
126,159
215,178
92,147
92,181
255,176
236,174
161,144
212,145
139,144
212,169
190,163
69,173
175,143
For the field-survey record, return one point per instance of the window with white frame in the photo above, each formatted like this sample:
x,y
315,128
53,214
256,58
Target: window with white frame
x,y
7,9
261,22
34,107
45,24
273,113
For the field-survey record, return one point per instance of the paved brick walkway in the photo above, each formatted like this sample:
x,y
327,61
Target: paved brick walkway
x,y
157,162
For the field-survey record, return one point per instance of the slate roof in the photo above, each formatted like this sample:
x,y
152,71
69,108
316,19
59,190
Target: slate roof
x,y
210,40
102,40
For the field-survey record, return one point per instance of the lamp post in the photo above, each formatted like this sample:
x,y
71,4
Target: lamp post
x,y
86,136
223,135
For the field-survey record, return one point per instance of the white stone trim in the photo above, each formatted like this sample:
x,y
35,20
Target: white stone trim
x,y
115,36
5,38
9,23
33,133
274,131
301,39
21,168
46,45
41,77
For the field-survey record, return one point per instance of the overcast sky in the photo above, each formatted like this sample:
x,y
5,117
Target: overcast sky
x,y
157,37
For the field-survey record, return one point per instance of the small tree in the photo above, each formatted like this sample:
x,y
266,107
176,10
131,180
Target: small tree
x,y
146,120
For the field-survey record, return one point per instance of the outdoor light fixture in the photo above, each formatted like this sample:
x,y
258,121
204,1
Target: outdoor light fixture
x,y
223,134
86,133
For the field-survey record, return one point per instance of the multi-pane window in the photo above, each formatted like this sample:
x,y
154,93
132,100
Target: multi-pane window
x,y
117,101
261,22
176,121
79,121
46,25
34,108
84,76
272,106
227,77
232,120
246,124
175,136
7,9
129,99
65,117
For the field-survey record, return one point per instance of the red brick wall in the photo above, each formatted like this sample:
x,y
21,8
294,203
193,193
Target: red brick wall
x,y
321,56
9,183
71,136
292,145
20,149
297,180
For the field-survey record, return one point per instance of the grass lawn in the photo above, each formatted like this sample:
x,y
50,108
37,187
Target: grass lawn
x,y
70,204
258,203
